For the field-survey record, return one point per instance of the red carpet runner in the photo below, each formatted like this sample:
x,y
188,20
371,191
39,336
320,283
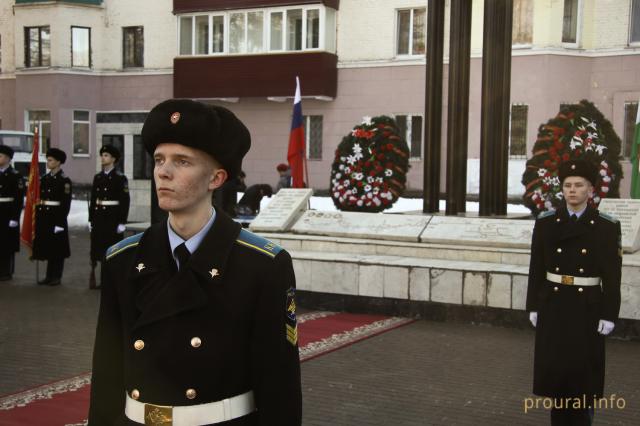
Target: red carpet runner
x,y
66,402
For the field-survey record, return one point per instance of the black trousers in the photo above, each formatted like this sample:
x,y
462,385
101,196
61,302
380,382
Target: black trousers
x,y
55,268
571,417
7,264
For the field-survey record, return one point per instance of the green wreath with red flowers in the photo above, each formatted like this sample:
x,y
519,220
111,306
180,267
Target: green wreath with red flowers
x,y
369,172
579,131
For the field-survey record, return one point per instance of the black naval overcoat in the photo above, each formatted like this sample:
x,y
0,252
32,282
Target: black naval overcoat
x,y
235,294
11,186
106,218
47,244
569,358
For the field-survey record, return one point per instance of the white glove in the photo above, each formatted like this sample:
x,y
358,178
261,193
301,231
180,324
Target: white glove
x,y
533,318
121,228
605,327
13,223
57,229
89,227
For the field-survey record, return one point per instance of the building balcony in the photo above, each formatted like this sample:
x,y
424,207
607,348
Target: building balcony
x,y
90,2
189,6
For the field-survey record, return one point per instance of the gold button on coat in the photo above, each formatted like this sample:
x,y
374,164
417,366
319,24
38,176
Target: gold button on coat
x,y
584,251
581,270
196,342
559,250
139,345
135,394
555,289
580,290
557,269
191,393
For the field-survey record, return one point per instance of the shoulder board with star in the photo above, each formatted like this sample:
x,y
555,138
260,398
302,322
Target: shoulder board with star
x,y
546,214
257,243
608,217
123,245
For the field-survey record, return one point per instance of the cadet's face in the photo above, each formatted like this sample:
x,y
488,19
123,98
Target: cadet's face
x,y
576,191
185,177
4,160
107,159
52,163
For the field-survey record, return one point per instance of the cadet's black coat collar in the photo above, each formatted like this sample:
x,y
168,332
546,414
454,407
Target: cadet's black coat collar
x,y
566,229
182,291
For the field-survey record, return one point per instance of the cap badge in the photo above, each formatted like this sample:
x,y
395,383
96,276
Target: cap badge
x,y
175,117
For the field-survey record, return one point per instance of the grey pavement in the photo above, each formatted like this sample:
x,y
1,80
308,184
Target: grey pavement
x,y
425,373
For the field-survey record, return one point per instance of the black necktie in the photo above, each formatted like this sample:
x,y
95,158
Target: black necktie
x,y
183,254
574,218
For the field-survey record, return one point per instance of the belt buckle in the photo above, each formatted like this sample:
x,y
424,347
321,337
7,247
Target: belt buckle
x,y
567,280
158,415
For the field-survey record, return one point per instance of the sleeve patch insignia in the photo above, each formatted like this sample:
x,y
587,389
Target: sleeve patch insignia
x,y
67,188
291,327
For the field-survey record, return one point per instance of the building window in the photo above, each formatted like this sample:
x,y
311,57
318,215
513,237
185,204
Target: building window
x,y
41,120
570,21
80,47
37,47
518,134
242,32
630,114
522,22
133,47
313,136
411,32
118,142
634,25
81,133
411,130
142,161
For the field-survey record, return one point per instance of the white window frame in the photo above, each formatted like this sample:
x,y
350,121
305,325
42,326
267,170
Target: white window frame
x,y
409,134
631,42
527,45
518,156
578,42
409,55
73,27
307,136
73,142
27,125
266,30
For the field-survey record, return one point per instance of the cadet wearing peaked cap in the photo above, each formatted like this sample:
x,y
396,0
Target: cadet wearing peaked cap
x,y
573,295
197,317
108,207
11,201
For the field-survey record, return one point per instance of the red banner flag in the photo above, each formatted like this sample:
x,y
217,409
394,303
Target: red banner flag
x,y
296,152
27,234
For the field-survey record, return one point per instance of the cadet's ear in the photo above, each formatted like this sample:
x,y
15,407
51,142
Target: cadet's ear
x,y
218,178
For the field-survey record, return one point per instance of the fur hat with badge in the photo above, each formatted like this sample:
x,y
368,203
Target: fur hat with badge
x,y
58,154
111,150
6,150
579,168
209,128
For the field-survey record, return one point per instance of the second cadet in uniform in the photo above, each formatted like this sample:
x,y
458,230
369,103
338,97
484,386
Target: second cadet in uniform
x,y
573,296
51,242
108,207
197,317
11,200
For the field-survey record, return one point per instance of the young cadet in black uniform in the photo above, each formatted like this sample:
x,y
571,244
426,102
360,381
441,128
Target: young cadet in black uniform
x,y
11,201
51,242
197,318
573,296
108,207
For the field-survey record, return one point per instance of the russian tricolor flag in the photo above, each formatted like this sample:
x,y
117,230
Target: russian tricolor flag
x,y
296,153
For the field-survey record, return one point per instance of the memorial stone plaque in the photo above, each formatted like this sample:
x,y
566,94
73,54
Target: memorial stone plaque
x,y
479,231
627,211
397,227
283,210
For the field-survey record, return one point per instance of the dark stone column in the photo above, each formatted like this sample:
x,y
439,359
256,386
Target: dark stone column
x,y
433,107
458,109
496,106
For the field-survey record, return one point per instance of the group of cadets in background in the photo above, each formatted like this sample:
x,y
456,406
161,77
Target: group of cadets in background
x,y
108,210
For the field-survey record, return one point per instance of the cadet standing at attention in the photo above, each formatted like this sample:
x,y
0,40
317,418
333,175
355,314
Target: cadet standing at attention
x,y
573,296
11,200
51,242
108,207
197,322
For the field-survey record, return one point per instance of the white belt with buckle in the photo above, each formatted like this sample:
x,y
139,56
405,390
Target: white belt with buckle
x,y
570,280
6,199
108,202
190,415
49,203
